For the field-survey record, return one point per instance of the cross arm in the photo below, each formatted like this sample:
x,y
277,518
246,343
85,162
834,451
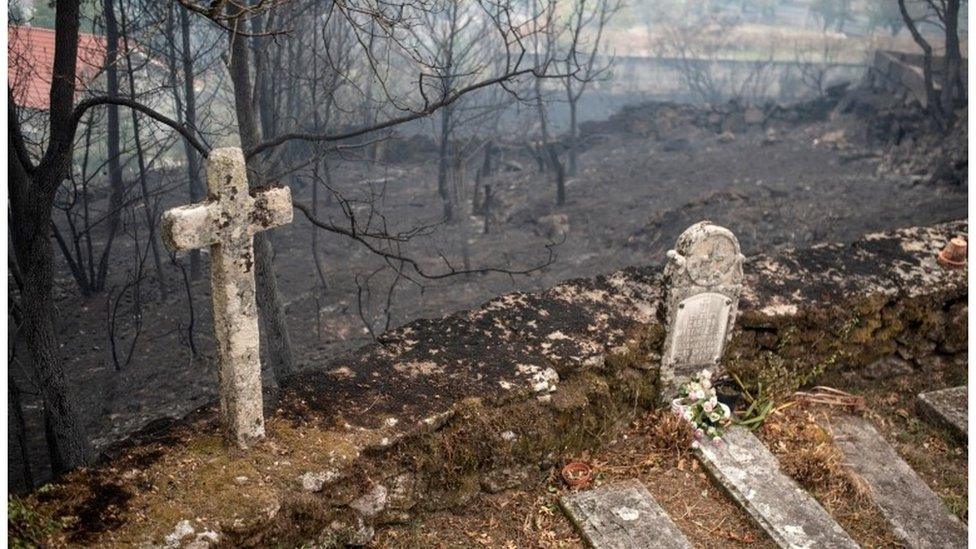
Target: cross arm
x,y
272,207
189,227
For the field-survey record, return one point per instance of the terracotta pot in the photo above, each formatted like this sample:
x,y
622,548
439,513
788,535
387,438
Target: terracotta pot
x,y
577,474
953,256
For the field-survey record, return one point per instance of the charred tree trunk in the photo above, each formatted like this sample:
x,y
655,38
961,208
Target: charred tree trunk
x,y
270,306
573,136
31,198
18,426
458,171
548,153
316,183
481,173
487,206
113,142
444,164
953,90
262,98
488,166
932,99
559,172
150,210
316,255
195,186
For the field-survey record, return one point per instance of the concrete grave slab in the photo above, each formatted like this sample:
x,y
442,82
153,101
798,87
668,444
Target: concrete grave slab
x,y
947,408
751,475
622,515
915,513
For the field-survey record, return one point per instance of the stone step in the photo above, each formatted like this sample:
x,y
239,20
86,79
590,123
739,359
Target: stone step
x,y
743,466
622,515
915,513
947,408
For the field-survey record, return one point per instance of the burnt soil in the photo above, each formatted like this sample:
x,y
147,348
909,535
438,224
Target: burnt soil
x,y
632,197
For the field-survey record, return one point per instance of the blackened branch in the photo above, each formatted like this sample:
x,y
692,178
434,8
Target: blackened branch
x,y
371,240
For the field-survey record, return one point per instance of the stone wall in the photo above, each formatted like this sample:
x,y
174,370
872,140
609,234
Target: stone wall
x,y
901,74
490,398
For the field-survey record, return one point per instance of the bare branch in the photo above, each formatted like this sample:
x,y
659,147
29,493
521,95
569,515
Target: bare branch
x,y
449,270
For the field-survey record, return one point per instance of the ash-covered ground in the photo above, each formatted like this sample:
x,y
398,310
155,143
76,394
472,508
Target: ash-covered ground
x,y
778,176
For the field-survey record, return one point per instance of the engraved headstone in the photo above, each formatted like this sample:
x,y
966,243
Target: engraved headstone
x,y
226,222
703,277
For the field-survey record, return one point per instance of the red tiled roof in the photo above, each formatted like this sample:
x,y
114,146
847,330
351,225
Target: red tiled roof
x,y
30,63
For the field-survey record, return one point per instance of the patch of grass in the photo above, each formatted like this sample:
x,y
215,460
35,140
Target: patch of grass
x,y
770,375
26,527
957,504
760,406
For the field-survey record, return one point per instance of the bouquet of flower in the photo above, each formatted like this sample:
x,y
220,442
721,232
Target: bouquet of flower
x,y
698,404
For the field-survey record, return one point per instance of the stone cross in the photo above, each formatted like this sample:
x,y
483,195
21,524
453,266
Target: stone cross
x,y
703,277
227,222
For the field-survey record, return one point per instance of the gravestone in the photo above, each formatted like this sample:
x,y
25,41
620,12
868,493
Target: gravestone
x,y
703,277
622,515
227,222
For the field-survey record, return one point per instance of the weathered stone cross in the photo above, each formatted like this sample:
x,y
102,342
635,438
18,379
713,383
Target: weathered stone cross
x,y
226,222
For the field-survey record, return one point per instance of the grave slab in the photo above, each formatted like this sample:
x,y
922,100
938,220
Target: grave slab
x,y
751,475
915,513
947,408
622,515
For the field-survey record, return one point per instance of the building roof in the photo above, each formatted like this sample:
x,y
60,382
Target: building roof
x,y
30,63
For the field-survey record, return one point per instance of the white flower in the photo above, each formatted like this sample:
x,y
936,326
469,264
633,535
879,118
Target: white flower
x,y
724,409
694,444
714,416
709,404
697,395
688,414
